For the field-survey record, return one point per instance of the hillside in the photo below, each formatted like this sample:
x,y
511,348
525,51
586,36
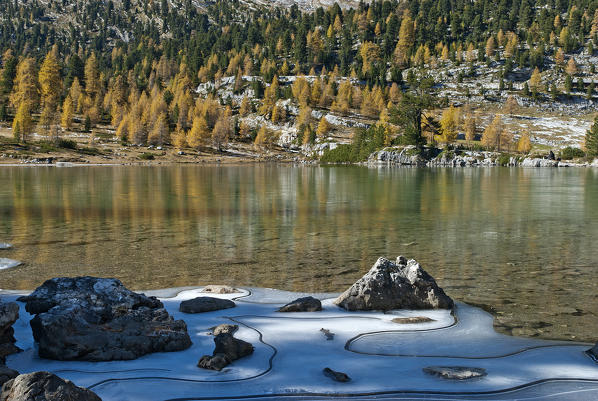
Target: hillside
x,y
203,76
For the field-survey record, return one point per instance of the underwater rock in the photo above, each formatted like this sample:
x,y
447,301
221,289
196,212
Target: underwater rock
x,y
305,304
455,372
412,320
336,376
205,304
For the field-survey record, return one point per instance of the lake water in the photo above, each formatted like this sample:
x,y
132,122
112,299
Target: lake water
x,y
519,242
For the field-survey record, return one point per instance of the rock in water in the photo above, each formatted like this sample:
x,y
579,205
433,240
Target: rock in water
x,y
5,245
412,320
306,304
227,349
6,263
205,304
99,319
9,313
400,285
455,372
219,289
225,329
44,386
336,376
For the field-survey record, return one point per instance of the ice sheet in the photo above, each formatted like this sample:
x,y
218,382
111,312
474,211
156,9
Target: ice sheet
x,y
291,351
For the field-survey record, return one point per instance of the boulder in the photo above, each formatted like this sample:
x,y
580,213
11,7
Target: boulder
x,y
305,304
336,376
205,304
225,329
455,372
44,386
227,349
220,289
400,285
329,335
9,313
7,374
99,319
5,245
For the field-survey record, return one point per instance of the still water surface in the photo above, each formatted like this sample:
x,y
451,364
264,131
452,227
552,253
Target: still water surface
x,y
520,242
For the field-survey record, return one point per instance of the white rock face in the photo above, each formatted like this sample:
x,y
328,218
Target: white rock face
x,y
537,162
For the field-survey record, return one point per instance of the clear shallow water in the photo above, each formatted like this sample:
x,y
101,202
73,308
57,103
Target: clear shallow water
x,y
520,242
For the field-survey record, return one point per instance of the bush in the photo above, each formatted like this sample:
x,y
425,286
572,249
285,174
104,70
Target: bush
x,y
569,153
66,143
147,156
365,142
503,159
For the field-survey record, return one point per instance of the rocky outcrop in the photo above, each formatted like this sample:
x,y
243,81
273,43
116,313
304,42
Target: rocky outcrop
x,y
205,304
336,376
9,313
537,162
228,349
7,374
400,285
305,304
219,289
225,329
44,386
405,156
455,372
99,319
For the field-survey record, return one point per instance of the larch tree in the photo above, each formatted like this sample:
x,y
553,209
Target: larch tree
x,y
22,124
26,85
524,144
449,124
571,68
159,132
470,127
490,47
66,119
50,85
245,107
511,105
199,134
535,81
406,41
92,76
324,127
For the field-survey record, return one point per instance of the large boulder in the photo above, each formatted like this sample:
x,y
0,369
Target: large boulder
x,y
9,313
44,386
400,285
99,319
7,374
228,349
305,304
593,352
205,304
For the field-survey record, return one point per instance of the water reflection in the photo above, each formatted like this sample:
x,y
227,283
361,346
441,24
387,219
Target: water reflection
x,y
517,240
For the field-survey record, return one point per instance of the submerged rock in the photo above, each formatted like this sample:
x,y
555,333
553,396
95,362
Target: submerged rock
x,y
336,376
225,329
44,386
400,285
228,349
305,304
9,313
99,319
455,372
329,335
220,289
412,320
205,304
6,263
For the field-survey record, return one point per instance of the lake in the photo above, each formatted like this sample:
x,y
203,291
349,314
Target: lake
x,y
518,242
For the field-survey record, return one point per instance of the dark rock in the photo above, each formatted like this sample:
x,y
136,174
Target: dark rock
x,y
98,319
306,304
455,372
329,335
9,313
336,376
412,320
400,285
44,386
205,304
219,289
6,374
225,329
227,349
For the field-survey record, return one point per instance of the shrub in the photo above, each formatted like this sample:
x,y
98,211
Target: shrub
x,y
147,156
66,143
570,152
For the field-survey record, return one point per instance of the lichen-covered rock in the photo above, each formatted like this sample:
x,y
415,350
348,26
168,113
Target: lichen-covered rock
x,y
227,349
400,285
225,329
455,372
44,386
205,304
9,313
305,304
99,319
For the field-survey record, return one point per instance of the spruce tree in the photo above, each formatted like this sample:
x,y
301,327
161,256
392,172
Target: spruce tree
x,y
591,143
